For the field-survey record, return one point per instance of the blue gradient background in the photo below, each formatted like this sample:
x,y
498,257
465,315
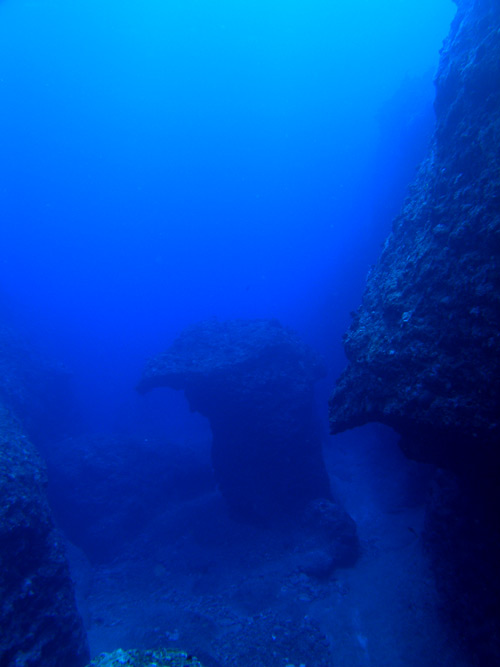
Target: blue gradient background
x,y
166,161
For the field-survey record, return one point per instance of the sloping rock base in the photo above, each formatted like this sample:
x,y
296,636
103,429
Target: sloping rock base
x,y
38,616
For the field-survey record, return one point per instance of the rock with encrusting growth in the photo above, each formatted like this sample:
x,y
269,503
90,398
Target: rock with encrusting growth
x,y
134,658
253,380
424,347
38,616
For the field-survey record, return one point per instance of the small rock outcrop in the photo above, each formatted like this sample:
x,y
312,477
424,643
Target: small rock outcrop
x,y
39,621
424,347
253,380
328,539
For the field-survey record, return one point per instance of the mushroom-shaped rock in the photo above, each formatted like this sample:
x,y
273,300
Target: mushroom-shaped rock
x,y
253,380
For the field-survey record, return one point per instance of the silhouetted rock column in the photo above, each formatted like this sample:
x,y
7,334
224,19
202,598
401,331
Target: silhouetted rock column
x,y
254,381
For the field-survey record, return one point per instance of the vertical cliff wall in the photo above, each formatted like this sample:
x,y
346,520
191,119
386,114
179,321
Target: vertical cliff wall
x,y
424,347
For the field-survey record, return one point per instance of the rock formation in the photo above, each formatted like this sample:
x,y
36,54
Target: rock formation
x,y
462,540
424,347
132,478
38,618
135,658
253,380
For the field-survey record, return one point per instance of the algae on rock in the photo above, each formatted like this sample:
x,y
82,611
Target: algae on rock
x,y
135,658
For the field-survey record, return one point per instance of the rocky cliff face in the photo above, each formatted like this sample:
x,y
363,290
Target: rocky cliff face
x,y
38,617
424,347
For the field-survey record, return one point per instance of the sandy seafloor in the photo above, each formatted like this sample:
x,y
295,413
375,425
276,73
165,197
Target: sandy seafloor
x,y
233,595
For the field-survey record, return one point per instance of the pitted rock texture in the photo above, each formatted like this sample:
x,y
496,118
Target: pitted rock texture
x,y
253,380
39,621
135,658
424,347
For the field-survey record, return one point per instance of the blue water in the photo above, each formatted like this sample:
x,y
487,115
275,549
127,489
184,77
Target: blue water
x,y
167,161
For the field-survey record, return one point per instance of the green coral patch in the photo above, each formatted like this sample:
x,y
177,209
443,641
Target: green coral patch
x,y
134,658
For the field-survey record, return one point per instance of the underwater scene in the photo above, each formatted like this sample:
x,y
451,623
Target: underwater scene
x,y
249,333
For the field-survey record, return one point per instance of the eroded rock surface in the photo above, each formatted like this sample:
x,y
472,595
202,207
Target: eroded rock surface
x,y
38,618
135,658
424,347
253,380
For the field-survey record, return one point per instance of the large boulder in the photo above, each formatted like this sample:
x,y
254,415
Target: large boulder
x,y
253,380
38,616
104,488
424,347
